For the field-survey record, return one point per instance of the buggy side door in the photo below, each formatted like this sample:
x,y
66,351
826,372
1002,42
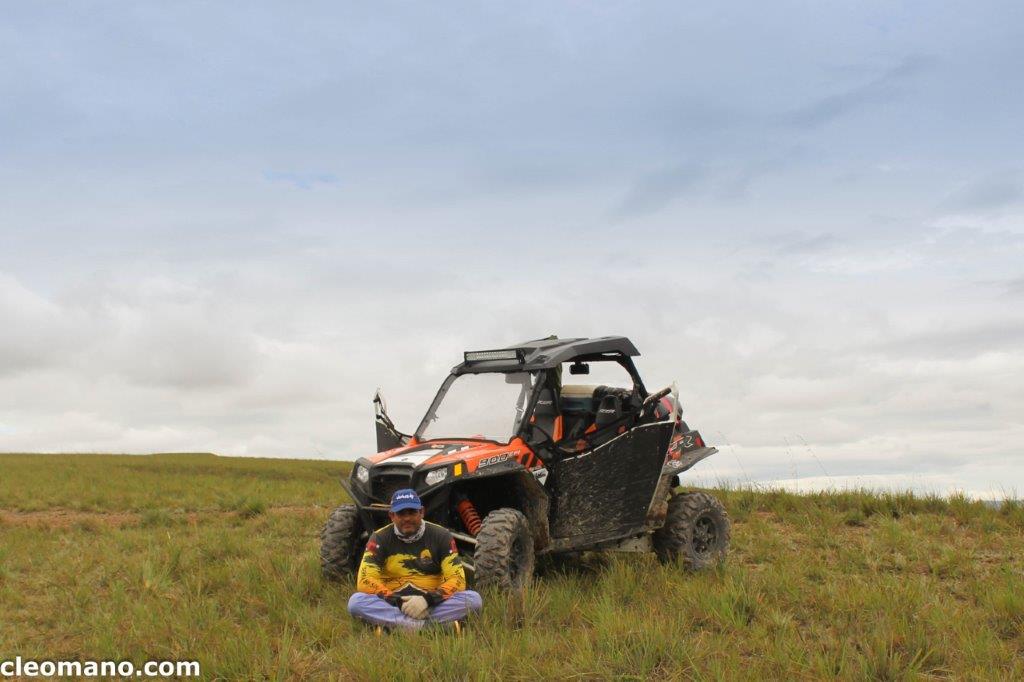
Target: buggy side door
x,y
605,493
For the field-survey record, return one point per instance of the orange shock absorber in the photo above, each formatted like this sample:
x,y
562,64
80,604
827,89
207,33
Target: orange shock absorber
x,y
470,519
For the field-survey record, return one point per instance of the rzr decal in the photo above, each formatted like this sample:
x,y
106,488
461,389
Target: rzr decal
x,y
687,441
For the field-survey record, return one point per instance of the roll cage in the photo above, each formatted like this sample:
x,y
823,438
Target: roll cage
x,y
544,359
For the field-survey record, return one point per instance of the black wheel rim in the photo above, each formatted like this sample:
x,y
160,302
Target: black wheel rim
x,y
705,536
515,561
518,562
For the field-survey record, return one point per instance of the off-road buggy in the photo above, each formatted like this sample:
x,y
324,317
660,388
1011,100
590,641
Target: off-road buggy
x,y
517,464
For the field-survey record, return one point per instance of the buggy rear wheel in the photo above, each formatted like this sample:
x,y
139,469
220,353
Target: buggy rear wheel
x,y
504,551
696,532
341,544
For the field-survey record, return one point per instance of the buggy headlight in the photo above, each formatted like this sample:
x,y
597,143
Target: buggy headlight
x,y
362,474
436,476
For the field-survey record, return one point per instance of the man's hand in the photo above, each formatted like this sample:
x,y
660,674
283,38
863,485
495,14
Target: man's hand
x,y
415,607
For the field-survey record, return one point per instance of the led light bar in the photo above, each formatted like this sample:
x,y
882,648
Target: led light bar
x,y
515,354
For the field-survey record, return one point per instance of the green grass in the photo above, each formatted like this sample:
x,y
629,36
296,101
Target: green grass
x,y
200,557
184,482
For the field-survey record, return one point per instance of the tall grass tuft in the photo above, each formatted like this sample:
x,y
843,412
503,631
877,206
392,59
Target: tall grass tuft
x,y
248,508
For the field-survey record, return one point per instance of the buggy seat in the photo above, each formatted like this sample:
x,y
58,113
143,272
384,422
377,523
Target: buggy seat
x,y
546,416
590,408
578,408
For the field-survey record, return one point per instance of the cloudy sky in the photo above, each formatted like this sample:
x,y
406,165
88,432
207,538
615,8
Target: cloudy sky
x,y
222,226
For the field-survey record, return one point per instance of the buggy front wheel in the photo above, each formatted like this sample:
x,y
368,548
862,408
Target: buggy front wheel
x,y
504,551
341,543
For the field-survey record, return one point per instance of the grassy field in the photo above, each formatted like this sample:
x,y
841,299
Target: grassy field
x,y
215,559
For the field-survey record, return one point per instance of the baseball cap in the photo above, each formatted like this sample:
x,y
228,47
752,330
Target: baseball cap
x,y
406,498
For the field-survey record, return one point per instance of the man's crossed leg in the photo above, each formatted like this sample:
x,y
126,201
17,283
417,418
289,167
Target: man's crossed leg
x,y
373,609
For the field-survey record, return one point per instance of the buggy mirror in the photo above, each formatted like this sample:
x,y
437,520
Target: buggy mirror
x,y
379,406
579,368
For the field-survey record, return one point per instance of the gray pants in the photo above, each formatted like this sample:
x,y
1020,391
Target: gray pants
x,y
373,609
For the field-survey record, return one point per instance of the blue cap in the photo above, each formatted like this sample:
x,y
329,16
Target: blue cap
x,y
406,498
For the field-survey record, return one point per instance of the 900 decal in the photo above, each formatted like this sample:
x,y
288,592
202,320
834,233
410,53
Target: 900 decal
x,y
497,459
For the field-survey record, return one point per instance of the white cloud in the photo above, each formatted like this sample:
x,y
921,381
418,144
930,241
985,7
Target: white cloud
x,y
35,330
850,281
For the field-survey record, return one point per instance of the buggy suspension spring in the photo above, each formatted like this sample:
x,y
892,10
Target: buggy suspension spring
x,y
470,518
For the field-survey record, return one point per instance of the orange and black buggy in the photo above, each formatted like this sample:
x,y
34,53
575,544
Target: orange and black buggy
x,y
518,463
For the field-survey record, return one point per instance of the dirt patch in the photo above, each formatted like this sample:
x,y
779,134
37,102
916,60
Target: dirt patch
x,y
63,518
66,518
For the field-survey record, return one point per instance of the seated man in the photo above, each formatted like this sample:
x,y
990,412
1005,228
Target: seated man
x,y
411,573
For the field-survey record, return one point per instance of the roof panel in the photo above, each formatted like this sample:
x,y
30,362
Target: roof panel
x,y
549,353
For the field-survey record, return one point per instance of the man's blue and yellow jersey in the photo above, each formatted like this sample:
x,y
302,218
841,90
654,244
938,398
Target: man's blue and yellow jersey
x,y
429,566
